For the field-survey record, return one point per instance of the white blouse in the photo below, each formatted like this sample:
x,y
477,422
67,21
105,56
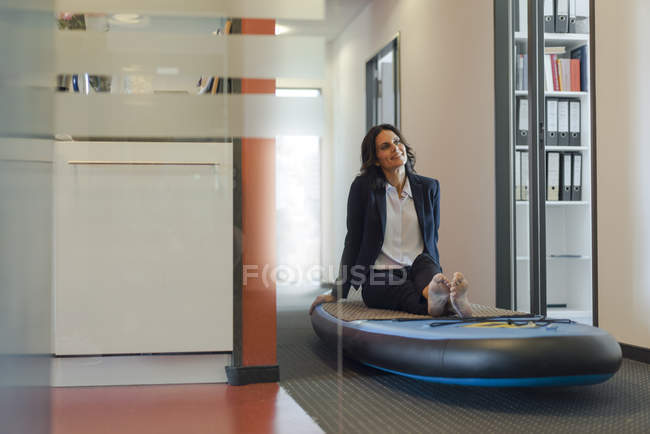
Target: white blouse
x,y
402,238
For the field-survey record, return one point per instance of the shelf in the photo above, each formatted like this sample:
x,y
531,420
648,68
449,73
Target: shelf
x,y
556,148
566,94
557,37
557,203
554,257
555,94
580,316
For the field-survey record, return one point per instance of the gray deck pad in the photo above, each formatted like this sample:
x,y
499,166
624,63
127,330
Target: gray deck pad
x,y
356,310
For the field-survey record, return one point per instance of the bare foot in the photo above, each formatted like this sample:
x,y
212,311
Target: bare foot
x,y
458,296
438,291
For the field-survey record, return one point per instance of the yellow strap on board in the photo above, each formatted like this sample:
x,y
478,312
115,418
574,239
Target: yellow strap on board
x,y
502,325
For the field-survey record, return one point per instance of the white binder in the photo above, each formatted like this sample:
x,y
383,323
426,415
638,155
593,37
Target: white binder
x,y
549,16
572,16
523,16
582,16
553,176
574,123
517,175
565,193
551,122
563,123
562,16
524,175
522,123
576,193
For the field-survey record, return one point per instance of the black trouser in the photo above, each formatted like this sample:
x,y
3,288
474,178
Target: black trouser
x,y
401,288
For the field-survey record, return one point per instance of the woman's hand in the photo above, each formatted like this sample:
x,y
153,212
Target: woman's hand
x,y
325,298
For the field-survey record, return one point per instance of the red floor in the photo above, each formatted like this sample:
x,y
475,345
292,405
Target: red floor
x,y
178,409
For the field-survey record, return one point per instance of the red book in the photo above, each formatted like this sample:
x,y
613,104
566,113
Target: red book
x,y
556,82
575,75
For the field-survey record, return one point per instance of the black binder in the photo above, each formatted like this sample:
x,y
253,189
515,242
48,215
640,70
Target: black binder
x,y
562,16
549,16
574,123
551,122
563,122
565,176
576,193
522,122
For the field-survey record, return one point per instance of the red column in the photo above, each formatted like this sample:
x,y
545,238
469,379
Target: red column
x,y
257,356
258,252
258,26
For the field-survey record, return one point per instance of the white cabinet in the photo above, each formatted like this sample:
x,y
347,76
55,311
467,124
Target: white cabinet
x,y
143,252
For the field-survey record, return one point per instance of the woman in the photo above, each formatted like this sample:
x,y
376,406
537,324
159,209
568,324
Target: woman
x,y
391,246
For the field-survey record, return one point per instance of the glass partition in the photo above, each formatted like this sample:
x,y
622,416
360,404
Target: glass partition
x,y
555,160
168,229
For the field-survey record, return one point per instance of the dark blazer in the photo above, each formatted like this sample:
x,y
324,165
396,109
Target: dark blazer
x,y
366,224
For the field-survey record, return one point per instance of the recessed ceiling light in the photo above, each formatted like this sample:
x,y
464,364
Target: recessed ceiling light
x,y
297,93
167,70
280,29
127,18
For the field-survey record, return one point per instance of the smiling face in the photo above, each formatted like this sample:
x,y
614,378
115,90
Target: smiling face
x,y
390,151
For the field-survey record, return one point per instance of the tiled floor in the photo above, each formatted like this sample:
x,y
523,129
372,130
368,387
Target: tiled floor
x,y
178,409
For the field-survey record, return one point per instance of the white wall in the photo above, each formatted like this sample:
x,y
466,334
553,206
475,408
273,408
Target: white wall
x,y
447,84
623,157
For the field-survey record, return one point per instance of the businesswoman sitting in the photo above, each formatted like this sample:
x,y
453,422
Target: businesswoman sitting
x,y
391,247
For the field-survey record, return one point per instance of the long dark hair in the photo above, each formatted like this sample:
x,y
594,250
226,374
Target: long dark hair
x,y
369,155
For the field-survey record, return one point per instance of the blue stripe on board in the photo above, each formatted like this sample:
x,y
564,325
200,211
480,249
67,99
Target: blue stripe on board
x,y
574,380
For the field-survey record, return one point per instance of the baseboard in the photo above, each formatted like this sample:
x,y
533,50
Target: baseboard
x,y
640,354
242,375
139,369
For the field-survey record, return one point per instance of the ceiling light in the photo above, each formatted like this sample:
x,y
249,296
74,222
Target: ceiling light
x,y
297,93
280,29
127,18
167,70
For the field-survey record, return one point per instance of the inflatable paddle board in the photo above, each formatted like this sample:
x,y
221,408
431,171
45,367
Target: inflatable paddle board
x,y
506,351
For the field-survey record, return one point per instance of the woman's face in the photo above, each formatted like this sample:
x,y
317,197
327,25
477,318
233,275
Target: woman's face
x,y
391,152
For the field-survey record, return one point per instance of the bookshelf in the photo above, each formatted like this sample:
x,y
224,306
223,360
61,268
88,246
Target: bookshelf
x,y
568,226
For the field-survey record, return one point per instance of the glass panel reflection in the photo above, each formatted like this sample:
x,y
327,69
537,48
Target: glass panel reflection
x,y
568,156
